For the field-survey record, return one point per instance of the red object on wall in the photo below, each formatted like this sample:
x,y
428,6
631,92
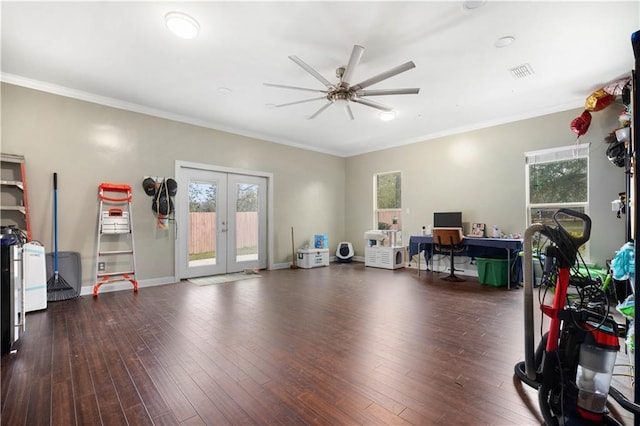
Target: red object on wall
x,y
581,124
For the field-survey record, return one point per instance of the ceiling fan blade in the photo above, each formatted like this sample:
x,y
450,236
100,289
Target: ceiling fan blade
x,y
311,71
301,102
282,86
356,55
383,76
383,92
317,113
347,109
372,104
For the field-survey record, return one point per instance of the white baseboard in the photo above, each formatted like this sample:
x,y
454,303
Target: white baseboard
x,y
126,285
285,265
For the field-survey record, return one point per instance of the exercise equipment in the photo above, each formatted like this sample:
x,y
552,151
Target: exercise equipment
x,y
573,363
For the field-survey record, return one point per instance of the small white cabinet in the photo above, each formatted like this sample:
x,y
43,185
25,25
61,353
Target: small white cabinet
x,y
384,257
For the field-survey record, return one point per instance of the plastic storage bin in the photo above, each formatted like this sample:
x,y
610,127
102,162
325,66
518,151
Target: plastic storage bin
x,y
311,258
493,271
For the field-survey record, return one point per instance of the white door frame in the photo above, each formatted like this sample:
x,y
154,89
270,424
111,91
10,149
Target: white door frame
x,y
182,193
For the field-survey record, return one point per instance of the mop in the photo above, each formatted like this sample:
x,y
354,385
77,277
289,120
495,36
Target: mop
x,y
57,287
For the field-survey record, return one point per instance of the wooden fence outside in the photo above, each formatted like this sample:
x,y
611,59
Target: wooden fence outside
x,y
386,216
202,228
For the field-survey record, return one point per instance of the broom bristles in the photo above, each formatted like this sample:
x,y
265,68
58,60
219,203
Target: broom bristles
x,y
59,289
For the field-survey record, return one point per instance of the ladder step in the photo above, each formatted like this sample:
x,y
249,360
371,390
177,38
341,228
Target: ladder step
x,y
114,187
21,209
104,253
17,183
108,274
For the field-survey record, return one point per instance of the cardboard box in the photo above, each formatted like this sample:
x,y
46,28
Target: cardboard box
x,y
321,241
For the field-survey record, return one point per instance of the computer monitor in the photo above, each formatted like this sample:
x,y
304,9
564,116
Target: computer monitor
x,y
447,220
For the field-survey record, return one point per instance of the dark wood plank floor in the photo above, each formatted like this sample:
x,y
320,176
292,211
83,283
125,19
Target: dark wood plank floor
x,y
342,344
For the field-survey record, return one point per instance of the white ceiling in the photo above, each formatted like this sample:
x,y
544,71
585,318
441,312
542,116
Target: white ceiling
x,y
121,54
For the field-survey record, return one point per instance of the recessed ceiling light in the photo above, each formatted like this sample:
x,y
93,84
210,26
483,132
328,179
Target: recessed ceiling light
x,y
504,41
471,4
181,24
387,115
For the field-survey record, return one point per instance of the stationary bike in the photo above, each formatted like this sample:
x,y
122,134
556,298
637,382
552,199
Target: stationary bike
x,y
573,364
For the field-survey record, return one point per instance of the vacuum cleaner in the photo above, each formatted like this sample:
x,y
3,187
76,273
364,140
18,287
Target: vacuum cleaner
x,y
572,365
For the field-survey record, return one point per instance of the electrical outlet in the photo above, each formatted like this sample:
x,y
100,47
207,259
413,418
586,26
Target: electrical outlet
x,y
100,266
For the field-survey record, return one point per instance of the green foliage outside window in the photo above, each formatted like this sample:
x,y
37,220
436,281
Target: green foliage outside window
x,y
388,203
558,182
554,185
389,190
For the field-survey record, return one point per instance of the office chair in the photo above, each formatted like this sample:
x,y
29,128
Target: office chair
x,y
449,240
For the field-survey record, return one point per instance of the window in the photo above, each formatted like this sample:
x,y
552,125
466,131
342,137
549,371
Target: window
x,y
557,178
388,200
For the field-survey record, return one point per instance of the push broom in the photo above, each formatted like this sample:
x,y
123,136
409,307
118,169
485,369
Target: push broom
x,y
57,287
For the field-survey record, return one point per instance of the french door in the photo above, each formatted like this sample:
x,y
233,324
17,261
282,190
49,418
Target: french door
x,y
222,222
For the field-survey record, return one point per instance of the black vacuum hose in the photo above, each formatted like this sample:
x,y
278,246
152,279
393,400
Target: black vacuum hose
x,y
543,402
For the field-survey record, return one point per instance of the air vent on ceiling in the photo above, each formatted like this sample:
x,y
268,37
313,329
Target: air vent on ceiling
x,y
521,71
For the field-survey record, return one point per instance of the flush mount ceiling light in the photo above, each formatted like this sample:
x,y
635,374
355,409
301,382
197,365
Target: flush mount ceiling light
x,y
387,115
471,4
182,25
504,41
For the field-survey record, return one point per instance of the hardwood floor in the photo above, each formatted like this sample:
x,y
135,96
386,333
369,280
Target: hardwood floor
x,y
342,344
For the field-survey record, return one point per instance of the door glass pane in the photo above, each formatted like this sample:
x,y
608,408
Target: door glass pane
x,y
202,223
246,222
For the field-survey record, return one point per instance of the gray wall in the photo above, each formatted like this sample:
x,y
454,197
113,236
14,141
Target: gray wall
x,y
87,144
482,174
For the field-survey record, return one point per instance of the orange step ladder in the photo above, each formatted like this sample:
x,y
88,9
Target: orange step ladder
x,y
115,248
13,192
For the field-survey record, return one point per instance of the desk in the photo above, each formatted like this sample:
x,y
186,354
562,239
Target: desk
x,y
474,247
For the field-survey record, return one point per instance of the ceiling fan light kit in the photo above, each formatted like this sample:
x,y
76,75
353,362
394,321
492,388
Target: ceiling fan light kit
x,y
182,25
387,115
343,92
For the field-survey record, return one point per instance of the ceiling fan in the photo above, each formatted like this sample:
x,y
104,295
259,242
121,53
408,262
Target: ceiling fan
x,y
343,92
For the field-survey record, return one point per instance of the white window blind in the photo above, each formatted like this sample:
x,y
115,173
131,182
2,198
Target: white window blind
x,y
557,154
